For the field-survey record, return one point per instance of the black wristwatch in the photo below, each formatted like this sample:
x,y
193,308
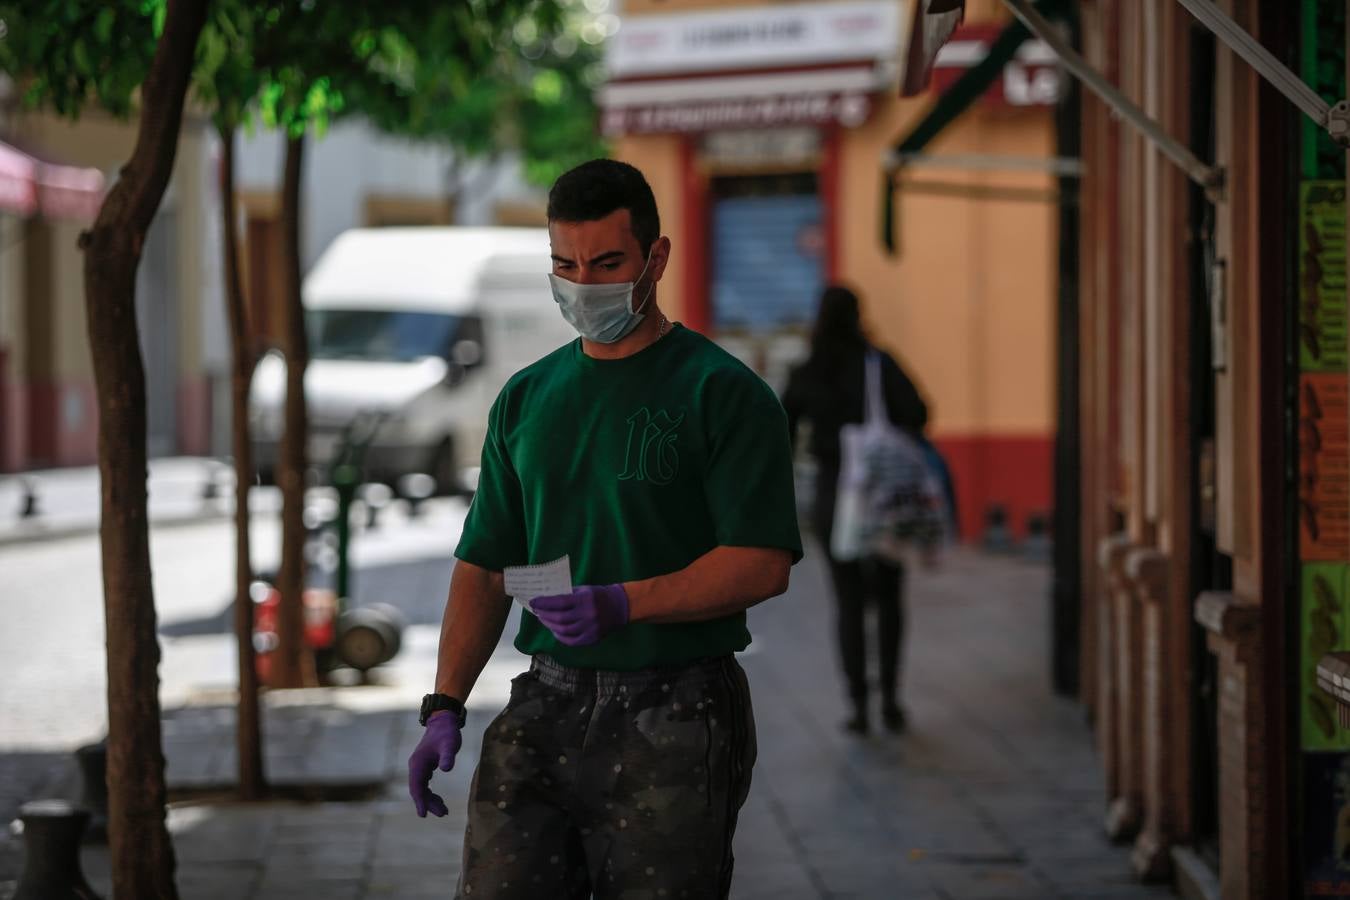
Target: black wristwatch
x,y
436,702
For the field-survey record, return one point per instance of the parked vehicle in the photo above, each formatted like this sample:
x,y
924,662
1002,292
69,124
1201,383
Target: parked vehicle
x,y
422,326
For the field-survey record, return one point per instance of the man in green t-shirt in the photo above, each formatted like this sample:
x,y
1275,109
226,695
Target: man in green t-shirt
x,y
660,465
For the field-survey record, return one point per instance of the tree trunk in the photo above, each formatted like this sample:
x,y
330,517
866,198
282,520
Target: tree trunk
x,y
142,854
295,664
252,780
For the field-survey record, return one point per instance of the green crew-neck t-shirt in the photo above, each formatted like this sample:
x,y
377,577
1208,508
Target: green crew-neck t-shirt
x,y
635,468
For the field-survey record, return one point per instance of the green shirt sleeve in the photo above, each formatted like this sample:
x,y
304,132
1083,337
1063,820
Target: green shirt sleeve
x,y
494,530
748,483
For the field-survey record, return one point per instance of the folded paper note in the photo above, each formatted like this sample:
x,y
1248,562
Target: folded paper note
x,y
524,583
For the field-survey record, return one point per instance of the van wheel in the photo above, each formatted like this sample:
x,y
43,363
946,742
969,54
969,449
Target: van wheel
x,y
443,468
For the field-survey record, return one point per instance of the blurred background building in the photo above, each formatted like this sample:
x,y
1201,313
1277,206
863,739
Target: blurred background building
x,y
51,184
53,174
762,128
1130,312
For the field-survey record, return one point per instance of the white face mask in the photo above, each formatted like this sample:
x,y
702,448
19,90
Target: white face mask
x,y
602,313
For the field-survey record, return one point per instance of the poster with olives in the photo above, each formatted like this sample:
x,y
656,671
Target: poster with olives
x,y
1326,627
1321,276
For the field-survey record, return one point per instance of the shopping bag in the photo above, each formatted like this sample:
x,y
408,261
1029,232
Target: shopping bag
x,y
888,499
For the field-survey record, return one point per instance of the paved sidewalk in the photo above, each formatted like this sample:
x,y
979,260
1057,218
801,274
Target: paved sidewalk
x,y
67,500
993,793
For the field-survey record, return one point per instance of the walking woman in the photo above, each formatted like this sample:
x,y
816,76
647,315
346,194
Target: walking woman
x,y
827,391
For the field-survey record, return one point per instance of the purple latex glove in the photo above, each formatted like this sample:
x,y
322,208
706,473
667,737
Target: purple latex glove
x,y
584,616
440,742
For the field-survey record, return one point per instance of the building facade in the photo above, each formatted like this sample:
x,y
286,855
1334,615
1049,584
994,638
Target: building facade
x,y
1212,400
353,177
763,129
46,375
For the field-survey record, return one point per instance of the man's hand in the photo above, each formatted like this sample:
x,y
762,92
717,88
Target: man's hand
x,y
584,616
440,742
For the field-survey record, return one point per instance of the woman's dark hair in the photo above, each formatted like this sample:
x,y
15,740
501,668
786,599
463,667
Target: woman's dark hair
x,y
838,330
597,188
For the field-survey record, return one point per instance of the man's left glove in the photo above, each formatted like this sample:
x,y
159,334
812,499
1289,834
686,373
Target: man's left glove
x,y
440,742
584,616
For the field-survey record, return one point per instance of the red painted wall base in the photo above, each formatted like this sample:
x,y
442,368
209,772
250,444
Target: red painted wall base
x,y
1013,471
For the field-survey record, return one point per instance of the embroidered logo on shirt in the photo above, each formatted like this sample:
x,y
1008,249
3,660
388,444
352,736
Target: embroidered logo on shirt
x,y
651,454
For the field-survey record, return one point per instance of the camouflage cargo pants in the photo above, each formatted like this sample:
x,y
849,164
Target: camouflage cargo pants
x,y
621,784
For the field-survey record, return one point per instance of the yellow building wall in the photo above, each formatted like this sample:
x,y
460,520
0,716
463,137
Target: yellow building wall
x,y
72,361
658,157
13,325
967,302
191,203
106,144
12,266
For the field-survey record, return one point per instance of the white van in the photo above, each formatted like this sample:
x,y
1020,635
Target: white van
x,y
421,326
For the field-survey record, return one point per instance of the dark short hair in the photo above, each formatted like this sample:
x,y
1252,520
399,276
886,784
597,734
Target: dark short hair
x,y
597,188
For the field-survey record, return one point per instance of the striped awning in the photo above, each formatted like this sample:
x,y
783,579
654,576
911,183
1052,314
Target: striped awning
x,y
31,186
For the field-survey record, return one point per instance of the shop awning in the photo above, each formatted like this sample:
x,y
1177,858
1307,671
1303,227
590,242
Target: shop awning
x,y
32,186
775,65
825,95
18,181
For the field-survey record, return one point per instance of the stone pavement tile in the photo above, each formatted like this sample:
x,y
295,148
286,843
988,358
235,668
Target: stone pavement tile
x,y
196,761
233,881
284,871
1118,892
288,767
889,891
329,813
844,877
410,890
206,834
773,886
300,835
315,851
986,882
328,889
1104,870
414,882
428,846
1065,849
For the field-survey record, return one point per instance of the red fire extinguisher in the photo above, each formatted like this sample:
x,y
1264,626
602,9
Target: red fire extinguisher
x,y
320,623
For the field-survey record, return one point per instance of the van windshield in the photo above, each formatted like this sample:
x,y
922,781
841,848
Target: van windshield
x,y
383,335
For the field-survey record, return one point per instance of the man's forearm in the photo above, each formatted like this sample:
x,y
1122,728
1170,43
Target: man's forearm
x,y
721,582
475,615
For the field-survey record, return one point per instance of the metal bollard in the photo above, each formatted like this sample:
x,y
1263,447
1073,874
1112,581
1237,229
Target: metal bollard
x,y
211,487
51,834
93,763
376,497
29,506
416,488
1038,543
997,537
